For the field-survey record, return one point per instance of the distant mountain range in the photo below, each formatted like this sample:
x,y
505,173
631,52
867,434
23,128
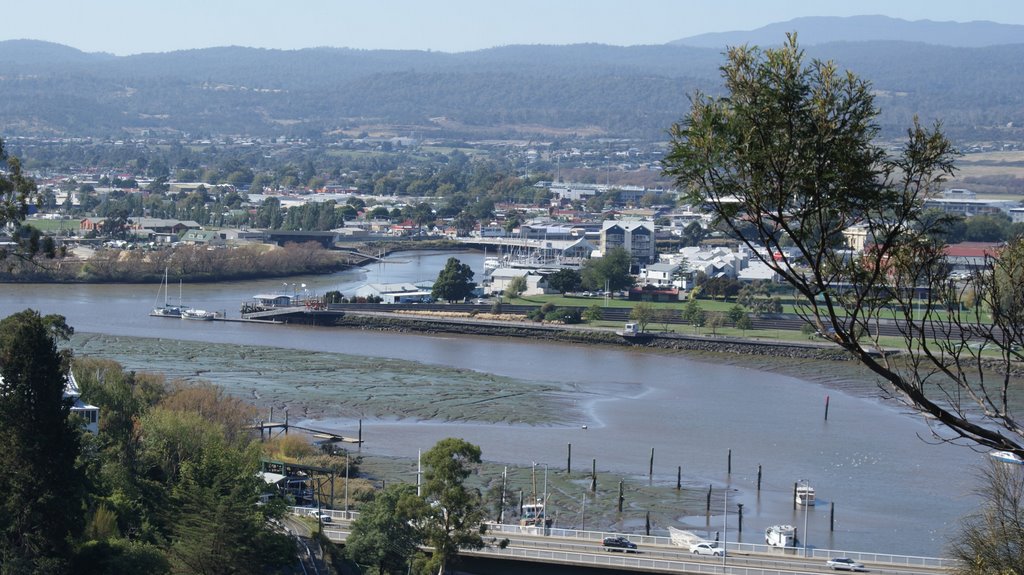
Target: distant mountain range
x,y
548,92
813,30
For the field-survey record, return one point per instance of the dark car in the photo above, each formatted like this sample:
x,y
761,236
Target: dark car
x,y
614,543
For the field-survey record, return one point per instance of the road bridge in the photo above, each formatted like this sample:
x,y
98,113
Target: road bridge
x,y
656,554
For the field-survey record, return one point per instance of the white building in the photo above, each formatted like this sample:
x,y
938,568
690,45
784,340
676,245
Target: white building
x,y
396,293
636,236
90,413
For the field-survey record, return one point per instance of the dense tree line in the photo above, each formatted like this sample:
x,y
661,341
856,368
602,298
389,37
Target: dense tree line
x,y
167,485
189,263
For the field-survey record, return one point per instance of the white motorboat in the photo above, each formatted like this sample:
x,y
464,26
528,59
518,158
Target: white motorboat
x,y
198,314
1006,457
780,536
804,495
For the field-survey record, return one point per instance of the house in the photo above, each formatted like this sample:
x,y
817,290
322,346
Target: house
x,y
499,280
967,257
636,236
203,237
661,275
89,413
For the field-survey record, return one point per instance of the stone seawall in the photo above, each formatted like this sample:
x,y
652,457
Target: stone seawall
x,y
592,336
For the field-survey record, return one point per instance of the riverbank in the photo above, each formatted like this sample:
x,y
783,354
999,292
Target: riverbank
x,y
576,334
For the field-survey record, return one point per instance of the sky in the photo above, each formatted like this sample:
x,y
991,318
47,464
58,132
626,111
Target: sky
x,y
125,27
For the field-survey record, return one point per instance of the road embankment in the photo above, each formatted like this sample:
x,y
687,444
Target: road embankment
x,y
407,323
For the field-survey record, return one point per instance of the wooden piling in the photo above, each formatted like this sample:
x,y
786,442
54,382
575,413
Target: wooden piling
x,y
650,467
795,483
568,461
739,514
758,477
826,408
728,463
621,496
707,507
593,475
832,517
679,478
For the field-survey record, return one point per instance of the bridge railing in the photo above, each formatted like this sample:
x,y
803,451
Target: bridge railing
x,y
582,536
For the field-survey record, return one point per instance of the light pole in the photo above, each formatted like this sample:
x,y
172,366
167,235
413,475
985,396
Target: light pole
x,y
545,508
725,525
806,485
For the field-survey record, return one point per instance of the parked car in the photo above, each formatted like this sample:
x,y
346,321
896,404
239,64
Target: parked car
x,y
844,564
614,543
706,548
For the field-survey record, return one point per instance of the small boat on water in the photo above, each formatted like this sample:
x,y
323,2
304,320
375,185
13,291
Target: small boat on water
x,y
780,536
167,309
198,314
804,495
1006,457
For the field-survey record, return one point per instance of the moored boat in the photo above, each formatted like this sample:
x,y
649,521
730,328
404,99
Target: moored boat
x,y
780,536
804,495
198,314
167,309
1006,457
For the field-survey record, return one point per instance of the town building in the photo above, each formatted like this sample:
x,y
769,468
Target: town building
x,y
636,236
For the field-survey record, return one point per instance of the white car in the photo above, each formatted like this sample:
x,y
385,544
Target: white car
x,y
707,549
845,564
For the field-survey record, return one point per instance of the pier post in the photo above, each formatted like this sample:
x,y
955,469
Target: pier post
x,y
794,494
739,507
826,408
679,478
360,434
728,463
568,461
621,496
758,477
832,517
650,467
593,476
286,422
707,506
647,524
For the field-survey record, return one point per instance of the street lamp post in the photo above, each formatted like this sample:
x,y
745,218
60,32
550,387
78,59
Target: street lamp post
x,y
806,485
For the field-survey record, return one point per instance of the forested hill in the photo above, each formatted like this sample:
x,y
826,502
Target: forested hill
x,y
523,91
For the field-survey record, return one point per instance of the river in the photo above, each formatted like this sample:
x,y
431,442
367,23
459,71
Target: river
x,y
894,491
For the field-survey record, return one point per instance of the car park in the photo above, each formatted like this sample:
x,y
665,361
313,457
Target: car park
x,y
844,564
615,543
707,548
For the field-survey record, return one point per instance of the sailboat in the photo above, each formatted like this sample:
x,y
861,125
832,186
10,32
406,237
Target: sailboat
x,y
167,309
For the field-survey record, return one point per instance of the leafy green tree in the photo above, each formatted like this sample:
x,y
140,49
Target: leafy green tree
x,y
694,313
736,313
43,486
16,192
516,287
217,526
611,270
565,280
790,153
456,511
745,323
642,313
385,535
454,282
593,313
